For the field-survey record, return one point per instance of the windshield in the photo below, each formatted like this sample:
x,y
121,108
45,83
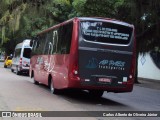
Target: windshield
x,y
105,32
27,53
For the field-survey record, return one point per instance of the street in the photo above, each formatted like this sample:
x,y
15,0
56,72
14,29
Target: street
x,y
18,93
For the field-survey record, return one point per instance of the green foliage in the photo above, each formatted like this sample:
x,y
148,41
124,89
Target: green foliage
x,y
58,10
8,2
3,34
78,6
103,8
25,18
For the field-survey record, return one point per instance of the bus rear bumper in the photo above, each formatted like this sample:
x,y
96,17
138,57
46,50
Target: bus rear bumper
x,y
128,87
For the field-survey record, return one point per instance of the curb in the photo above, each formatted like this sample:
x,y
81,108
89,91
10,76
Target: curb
x,y
149,83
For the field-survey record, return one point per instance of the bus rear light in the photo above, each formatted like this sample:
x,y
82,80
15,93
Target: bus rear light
x,y
130,76
75,72
119,82
87,80
75,69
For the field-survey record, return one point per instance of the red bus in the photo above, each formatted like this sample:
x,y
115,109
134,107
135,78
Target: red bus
x,y
94,54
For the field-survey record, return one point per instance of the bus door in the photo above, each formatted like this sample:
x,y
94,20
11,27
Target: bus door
x,y
37,51
47,62
105,53
47,50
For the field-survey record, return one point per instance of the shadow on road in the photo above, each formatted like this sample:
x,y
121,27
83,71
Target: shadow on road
x,y
85,97
80,96
21,74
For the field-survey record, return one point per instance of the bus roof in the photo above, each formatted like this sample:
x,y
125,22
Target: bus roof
x,y
55,26
87,18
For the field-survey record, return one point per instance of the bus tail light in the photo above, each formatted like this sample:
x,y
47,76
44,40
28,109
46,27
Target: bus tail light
x,y
132,73
75,67
74,71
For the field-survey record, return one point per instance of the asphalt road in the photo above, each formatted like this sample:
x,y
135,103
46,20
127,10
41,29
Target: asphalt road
x,y
18,93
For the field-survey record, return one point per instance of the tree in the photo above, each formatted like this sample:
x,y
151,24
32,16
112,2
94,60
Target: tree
x,y
145,15
25,18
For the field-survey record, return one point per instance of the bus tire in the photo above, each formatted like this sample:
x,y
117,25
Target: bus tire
x,y
96,93
5,66
52,89
34,81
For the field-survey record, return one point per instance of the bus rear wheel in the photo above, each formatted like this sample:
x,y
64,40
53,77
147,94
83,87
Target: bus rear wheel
x,y
34,81
96,93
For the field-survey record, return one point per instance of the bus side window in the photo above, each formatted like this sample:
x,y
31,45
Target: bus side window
x,y
55,41
67,37
34,47
48,49
38,46
46,44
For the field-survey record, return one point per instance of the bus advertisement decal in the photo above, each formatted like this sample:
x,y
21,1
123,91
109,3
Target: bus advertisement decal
x,y
105,64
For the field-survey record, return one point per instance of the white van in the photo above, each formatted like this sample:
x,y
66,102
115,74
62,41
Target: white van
x,y
21,57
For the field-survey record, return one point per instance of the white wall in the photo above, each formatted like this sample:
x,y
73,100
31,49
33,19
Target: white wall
x,y
147,68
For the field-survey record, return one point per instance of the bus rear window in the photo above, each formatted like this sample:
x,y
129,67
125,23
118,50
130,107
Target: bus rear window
x,y
27,53
105,32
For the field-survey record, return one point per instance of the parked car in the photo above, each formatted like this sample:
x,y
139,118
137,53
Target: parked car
x,y
7,62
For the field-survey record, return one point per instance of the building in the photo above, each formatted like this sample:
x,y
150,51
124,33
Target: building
x,y
149,65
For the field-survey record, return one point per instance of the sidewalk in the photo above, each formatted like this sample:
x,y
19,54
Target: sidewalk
x,y
148,83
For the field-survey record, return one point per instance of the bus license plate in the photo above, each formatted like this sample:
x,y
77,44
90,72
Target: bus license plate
x,y
105,80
